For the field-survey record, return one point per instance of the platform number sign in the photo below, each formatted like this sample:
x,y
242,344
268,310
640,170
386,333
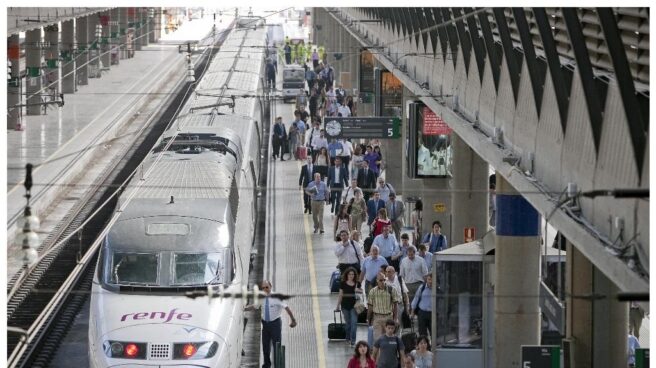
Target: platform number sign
x,y
540,356
642,358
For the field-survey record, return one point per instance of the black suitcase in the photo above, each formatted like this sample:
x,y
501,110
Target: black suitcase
x,y
362,317
409,339
337,331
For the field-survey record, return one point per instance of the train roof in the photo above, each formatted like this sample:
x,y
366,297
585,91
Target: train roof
x,y
154,225
206,174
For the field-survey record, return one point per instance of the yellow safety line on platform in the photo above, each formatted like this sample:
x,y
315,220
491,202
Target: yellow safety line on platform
x,y
313,286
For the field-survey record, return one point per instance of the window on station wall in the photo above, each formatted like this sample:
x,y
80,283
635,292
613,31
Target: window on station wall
x,y
391,95
429,153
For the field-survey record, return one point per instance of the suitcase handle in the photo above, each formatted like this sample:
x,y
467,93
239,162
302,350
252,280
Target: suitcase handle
x,y
335,317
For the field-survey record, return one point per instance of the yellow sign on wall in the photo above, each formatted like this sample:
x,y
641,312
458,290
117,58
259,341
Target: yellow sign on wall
x,y
439,207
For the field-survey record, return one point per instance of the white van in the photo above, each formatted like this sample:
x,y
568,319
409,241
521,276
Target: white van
x,y
293,80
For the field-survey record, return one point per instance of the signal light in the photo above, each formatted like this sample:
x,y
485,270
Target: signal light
x,y
131,350
189,350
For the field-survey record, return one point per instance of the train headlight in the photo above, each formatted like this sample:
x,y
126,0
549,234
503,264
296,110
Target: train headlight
x,y
125,349
195,350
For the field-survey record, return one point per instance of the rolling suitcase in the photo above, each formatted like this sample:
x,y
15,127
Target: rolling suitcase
x,y
362,317
337,331
301,153
334,281
409,339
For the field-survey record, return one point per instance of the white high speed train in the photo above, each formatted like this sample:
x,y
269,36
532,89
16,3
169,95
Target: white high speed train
x,y
187,223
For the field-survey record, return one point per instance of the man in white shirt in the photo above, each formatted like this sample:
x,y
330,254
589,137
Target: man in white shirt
x,y
349,192
399,285
385,189
347,152
413,270
271,322
343,110
348,253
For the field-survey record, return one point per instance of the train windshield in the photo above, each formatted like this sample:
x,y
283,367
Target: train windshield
x,y
135,268
197,268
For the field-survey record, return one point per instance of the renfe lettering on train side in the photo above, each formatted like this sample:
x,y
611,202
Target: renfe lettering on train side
x,y
158,315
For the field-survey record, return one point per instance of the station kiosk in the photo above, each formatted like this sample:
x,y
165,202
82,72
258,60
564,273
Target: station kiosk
x,y
463,304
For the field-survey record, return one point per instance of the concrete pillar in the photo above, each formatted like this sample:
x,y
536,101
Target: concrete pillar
x,y
610,324
114,35
517,258
82,59
105,46
122,32
152,24
136,20
147,27
94,46
579,281
469,196
67,59
14,113
51,54
33,86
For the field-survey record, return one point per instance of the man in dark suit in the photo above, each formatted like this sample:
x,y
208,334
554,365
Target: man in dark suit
x,y
338,179
307,175
373,205
366,180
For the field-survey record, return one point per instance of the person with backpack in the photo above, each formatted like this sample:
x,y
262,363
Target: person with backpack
x,y
389,350
435,241
421,306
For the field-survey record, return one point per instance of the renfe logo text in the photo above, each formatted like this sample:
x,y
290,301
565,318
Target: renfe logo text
x,y
158,315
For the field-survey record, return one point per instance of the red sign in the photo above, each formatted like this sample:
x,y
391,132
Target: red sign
x,y
433,124
470,234
104,20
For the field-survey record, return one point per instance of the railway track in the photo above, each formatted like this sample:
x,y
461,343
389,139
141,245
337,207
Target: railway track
x,y
46,302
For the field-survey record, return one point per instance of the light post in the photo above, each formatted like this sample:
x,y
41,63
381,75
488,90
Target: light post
x,y
28,239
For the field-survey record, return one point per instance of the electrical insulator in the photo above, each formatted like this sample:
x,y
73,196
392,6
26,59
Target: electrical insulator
x,y
8,69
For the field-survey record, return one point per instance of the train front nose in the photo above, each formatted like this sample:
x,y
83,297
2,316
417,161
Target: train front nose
x,y
159,344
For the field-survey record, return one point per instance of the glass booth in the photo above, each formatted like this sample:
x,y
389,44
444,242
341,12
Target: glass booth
x,y
462,306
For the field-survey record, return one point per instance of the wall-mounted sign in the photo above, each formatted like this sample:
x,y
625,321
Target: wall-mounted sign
x,y
433,124
380,127
439,207
540,356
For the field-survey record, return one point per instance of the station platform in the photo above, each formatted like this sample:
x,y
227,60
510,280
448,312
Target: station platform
x,y
71,144
299,262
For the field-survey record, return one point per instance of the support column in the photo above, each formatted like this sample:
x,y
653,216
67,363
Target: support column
x,y
136,19
51,37
146,21
114,36
68,62
579,281
94,46
610,324
469,197
105,47
152,24
82,59
33,71
517,258
14,113
122,32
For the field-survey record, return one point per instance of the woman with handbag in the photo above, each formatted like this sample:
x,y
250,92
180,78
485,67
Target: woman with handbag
x,y
416,218
358,210
346,300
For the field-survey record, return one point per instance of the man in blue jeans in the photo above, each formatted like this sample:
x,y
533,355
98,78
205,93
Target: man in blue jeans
x,y
271,322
